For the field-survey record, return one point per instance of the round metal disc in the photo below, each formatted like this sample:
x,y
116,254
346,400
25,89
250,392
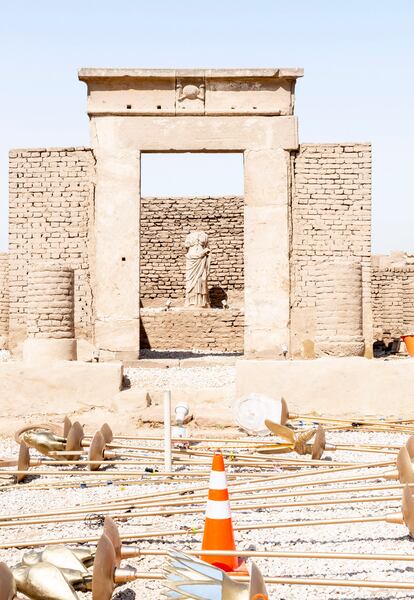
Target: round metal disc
x,y
96,450
74,441
107,433
103,570
404,466
67,424
111,530
408,509
252,410
7,584
410,446
319,443
23,462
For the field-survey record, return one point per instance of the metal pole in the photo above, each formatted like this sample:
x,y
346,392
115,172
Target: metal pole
x,y
167,431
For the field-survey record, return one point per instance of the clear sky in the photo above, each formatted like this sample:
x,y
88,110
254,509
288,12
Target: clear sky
x,y
358,57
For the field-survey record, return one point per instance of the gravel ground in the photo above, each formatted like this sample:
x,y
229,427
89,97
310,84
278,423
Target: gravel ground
x,y
179,376
364,538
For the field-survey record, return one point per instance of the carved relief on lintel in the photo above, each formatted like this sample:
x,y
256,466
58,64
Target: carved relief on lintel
x,y
190,95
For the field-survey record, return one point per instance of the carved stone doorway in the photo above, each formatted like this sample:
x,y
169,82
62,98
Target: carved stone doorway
x,y
249,111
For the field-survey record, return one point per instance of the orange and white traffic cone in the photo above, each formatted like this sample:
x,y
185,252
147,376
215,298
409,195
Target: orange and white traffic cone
x,y
218,527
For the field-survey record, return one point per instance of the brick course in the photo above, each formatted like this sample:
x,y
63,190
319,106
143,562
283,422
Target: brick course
x,y
165,223
206,329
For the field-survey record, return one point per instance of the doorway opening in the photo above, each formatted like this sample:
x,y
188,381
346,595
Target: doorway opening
x,y
183,193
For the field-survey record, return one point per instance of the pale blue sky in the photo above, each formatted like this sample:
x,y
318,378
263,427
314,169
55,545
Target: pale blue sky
x,y
358,86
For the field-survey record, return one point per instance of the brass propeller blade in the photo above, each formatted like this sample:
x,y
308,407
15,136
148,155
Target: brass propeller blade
x,y
8,588
23,461
43,581
67,424
107,433
60,556
257,588
408,509
280,430
410,446
404,466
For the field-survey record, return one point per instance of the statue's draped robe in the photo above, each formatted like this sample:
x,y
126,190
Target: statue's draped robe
x,y
196,277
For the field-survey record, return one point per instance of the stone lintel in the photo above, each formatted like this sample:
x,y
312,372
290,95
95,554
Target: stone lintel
x,y
189,92
86,74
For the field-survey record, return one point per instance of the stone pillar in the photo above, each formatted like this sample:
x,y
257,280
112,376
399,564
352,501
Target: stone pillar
x,y
4,301
339,308
266,253
117,206
50,314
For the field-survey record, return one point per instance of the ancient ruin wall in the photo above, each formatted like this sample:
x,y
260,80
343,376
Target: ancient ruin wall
x,y
210,330
393,295
331,218
165,222
51,208
4,299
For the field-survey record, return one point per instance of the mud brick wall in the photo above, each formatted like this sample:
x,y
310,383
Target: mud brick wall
x,y
50,301
208,329
331,218
51,207
4,299
393,296
165,223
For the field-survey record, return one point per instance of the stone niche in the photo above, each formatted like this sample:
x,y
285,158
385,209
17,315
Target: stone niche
x,y
166,324
164,224
133,111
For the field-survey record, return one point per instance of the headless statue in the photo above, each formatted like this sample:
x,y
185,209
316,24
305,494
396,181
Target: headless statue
x,y
197,267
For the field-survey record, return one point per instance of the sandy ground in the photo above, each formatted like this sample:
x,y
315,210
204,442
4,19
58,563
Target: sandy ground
x,y
372,537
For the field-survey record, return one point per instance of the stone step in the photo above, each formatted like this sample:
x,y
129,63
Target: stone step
x,y
184,363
